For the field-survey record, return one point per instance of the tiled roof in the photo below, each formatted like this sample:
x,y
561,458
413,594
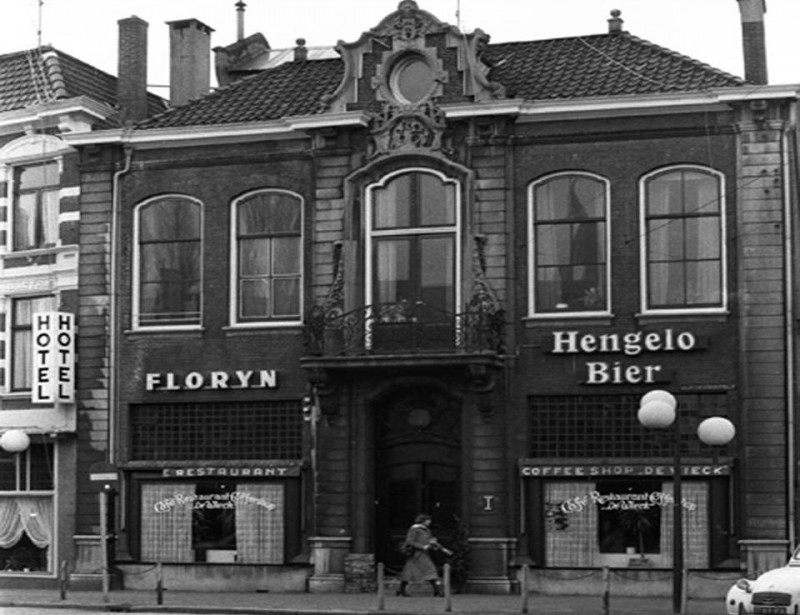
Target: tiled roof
x,y
568,68
40,76
599,65
291,89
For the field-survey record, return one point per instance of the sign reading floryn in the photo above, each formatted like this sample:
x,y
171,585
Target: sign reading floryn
x,y
193,381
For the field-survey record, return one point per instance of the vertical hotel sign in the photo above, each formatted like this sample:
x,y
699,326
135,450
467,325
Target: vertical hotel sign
x,y
53,358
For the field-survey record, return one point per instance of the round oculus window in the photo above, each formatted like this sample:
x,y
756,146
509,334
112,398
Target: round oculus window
x,y
412,79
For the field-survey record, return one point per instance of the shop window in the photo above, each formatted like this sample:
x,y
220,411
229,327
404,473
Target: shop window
x,y
36,204
213,522
413,255
623,522
268,268
168,273
22,319
26,509
245,431
568,245
629,516
683,246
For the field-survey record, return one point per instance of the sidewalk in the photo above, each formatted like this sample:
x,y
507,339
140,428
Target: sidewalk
x,y
257,603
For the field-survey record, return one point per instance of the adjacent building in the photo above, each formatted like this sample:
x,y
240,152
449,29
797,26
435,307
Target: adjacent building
x,y
44,95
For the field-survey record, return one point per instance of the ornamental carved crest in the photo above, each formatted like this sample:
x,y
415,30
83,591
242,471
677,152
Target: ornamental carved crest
x,y
396,129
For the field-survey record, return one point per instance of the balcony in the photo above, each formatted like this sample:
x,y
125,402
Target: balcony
x,y
404,328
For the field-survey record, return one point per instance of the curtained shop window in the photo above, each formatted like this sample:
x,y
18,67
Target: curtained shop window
x,y
571,526
168,262
611,522
683,247
26,510
268,267
567,244
213,521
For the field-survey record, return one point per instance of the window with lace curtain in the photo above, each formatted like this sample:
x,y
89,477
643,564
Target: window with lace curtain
x,y
683,240
26,509
214,521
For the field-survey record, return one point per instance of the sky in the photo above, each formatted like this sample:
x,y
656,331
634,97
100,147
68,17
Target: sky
x,y
707,30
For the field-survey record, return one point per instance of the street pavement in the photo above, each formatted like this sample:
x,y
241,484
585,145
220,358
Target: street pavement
x,y
30,602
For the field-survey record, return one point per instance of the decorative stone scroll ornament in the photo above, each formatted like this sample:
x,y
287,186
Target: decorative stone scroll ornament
x,y
396,130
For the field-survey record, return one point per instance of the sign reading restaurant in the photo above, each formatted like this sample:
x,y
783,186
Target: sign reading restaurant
x,y
217,380
629,344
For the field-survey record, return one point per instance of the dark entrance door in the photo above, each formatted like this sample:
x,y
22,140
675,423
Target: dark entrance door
x,y
418,469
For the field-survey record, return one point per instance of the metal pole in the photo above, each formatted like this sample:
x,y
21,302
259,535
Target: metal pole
x,y
523,589
677,533
104,541
381,588
448,604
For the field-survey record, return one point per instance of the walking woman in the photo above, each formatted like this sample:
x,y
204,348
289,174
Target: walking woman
x,y
419,566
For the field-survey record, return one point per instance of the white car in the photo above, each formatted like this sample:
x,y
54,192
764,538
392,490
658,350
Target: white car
x,y
776,592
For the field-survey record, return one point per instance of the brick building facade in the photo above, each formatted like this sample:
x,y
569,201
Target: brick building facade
x,y
437,274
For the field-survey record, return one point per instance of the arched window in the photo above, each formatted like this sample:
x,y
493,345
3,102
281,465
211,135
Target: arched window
x,y
568,245
413,243
268,260
168,262
683,240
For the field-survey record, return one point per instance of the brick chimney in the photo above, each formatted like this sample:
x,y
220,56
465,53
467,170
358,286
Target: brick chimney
x,y
189,60
754,40
132,69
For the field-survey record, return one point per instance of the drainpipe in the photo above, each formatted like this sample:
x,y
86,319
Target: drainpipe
x,y
787,159
112,306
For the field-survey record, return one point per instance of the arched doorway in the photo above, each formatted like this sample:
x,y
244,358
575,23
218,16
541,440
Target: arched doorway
x,y
417,466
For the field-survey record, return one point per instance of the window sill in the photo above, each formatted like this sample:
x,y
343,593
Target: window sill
x,y
682,316
235,328
33,252
585,318
177,330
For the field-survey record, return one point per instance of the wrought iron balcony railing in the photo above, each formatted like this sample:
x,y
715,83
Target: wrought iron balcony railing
x,y
404,328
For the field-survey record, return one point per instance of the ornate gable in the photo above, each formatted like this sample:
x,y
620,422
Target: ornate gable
x,y
403,70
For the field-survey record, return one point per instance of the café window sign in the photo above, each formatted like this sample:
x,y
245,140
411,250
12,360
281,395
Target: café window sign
x,y
629,344
216,380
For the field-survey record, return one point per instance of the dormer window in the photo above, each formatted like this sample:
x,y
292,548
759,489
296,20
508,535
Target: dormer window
x,y
411,79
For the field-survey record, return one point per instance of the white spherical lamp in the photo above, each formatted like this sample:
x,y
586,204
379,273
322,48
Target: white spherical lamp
x,y
716,431
656,414
659,395
15,441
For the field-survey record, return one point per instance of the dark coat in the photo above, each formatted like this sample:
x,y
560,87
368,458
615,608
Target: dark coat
x,y
419,566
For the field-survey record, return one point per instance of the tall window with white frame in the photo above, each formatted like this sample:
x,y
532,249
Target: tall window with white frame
x,y
26,510
36,202
268,260
23,311
169,262
414,253
683,247
568,245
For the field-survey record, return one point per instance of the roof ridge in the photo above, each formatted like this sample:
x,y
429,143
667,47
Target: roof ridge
x,y
53,70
